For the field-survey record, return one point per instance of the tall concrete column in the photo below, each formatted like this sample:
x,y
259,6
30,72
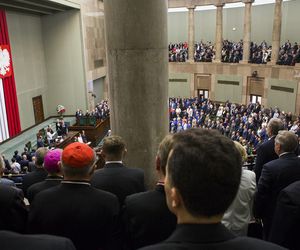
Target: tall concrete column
x,y
247,31
191,33
219,32
137,55
276,31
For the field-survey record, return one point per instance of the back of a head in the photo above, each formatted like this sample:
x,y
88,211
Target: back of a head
x,y
205,167
77,160
113,147
241,150
288,141
274,125
164,149
39,155
51,161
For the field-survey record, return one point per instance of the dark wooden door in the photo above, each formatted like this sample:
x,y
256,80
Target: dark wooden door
x,y
38,109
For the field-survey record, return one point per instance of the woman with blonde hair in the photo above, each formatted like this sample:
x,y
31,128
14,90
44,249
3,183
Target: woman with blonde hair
x,y
239,214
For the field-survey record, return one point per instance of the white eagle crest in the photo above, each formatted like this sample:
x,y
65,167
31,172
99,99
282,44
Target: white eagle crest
x,y
4,61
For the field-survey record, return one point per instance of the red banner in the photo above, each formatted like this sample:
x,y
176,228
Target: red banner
x,y
5,61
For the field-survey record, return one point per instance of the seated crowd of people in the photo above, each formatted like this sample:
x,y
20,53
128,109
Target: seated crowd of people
x,y
245,124
232,52
204,198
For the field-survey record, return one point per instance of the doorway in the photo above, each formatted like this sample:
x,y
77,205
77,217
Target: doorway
x,y
38,109
204,93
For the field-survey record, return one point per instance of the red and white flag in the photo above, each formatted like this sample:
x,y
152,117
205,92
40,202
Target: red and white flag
x,y
9,110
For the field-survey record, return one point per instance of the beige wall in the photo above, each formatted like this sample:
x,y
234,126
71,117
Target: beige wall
x,y
283,76
98,89
179,85
282,99
25,33
64,61
224,92
92,17
56,56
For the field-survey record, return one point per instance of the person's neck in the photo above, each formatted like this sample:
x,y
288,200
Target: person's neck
x,y
112,159
187,218
75,178
59,175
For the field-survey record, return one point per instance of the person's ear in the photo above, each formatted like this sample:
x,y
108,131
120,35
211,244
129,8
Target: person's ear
x,y
101,153
124,152
92,170
175,198
59,167
157,163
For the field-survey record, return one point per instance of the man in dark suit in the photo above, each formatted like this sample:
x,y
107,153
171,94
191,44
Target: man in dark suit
x,y
265,152
53,166
276,175
74,209
14,241
202,178
143,212
286,223
13,212
38,174
24,163
115,177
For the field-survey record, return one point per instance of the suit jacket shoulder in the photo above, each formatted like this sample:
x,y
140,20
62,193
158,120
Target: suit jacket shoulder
x,y
210,236
119,180
240,243
142,214
12,209
286,223
86,215
14,241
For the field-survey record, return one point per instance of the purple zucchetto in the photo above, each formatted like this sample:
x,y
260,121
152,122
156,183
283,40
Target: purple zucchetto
x,y
51,160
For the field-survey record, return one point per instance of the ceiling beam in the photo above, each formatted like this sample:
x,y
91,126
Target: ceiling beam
x,y
33,3
18,7
186,3
67,3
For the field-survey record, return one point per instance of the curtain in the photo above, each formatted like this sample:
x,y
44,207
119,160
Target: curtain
x,y
9,86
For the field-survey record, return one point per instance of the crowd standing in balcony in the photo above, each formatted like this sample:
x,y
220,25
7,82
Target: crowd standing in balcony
x,y
232,52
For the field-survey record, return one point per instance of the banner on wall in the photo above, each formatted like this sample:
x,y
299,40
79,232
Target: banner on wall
x,y
5,62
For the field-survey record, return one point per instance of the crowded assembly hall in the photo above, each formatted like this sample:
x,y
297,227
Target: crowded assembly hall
x,y
138,124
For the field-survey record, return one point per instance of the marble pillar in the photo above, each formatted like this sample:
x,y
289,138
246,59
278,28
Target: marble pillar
x,y
191,33
137,55
219,32
276,31
247,31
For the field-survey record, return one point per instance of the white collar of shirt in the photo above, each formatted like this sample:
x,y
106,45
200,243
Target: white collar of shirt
x,y
108,162
284,153
271,137
76,182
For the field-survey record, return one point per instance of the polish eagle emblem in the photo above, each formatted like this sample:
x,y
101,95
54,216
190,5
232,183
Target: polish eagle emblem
x,y
5,62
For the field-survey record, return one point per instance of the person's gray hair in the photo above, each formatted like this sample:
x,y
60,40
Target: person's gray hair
x,y
70,171
40,155
287,140
275,125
